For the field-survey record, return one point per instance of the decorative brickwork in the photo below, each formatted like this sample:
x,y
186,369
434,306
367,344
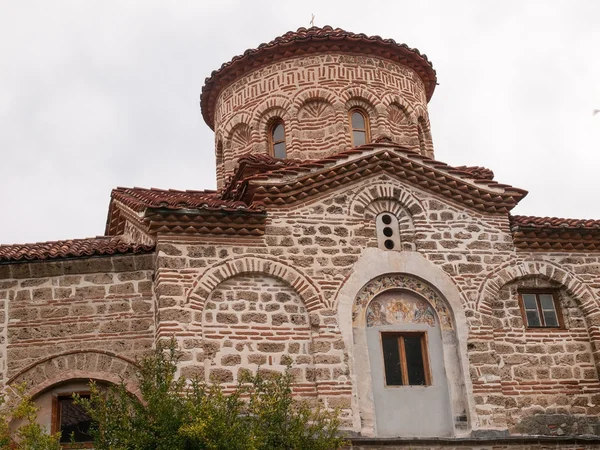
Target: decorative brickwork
x,y
313,96
75,365
286,262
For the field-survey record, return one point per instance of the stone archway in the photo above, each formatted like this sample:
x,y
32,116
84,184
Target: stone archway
x,y
206,283
76,365
376,263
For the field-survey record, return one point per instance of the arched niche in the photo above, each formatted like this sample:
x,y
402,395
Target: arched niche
x,y
404,308
252,321
375,273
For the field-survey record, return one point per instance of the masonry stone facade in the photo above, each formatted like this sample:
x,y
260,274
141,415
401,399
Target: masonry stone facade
x,y
324,257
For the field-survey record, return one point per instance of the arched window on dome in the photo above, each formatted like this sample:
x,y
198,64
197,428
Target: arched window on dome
x,y
277,139
359,124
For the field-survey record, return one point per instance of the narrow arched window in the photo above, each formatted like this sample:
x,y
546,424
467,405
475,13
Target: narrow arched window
x,y
277,140
359,124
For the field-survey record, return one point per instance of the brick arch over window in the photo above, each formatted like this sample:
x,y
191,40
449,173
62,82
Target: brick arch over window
x,y
274,101
210,279
406,227
384,191
361,94
575,286
75,365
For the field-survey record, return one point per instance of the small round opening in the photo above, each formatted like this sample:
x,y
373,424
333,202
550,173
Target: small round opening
x,y
389,244
387,219
388,231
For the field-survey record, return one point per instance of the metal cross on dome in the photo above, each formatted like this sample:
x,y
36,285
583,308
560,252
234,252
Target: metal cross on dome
x,y
312,20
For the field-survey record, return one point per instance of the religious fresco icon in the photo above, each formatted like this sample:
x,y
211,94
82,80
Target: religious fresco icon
x,y
398,310
422,309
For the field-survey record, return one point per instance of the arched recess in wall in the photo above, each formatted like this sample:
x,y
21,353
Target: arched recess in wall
x,y
254,321
537,314
240,139
405,322
402,126
208,280
367,278
75,365
226,130
319,129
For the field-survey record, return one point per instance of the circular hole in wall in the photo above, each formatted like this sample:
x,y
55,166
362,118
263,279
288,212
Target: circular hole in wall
x,y
387,219
389,244
388,231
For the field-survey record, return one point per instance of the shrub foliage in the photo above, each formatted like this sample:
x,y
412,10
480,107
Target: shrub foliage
x,y
179,414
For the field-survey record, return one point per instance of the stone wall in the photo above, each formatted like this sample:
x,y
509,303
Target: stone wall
x,y
313,95
244,303
316,247
85,318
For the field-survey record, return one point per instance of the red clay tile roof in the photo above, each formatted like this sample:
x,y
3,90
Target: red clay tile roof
x,y
312,40
553,222
269,182
482,173
555,234
139,199
187,212
69,249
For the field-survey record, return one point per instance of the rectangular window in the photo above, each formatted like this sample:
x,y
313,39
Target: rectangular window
x,y
540,309
405,359
70,419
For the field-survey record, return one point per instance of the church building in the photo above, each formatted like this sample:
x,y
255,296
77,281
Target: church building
x,y
403,289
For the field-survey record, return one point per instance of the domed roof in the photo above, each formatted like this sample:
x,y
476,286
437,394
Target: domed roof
x,y
308,41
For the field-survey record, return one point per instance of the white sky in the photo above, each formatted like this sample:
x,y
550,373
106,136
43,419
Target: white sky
x,y
99,94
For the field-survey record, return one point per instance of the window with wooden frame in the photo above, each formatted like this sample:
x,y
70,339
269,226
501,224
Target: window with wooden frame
x,y
359,124
277,139
70,419
540,309
405,359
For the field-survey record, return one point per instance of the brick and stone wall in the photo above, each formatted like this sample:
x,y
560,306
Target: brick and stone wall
x,y
317,247
237,304
313,95
86,318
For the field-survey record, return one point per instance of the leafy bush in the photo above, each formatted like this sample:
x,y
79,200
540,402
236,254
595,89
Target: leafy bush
x,y
180,414
29,435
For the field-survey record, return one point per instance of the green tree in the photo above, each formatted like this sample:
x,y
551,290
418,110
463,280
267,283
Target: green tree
x,y
181,414
28,435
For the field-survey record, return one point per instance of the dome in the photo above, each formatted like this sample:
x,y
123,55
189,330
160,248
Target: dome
x,y
313,40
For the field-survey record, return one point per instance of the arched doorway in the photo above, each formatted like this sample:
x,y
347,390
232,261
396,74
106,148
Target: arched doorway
x,y
407,331
410,387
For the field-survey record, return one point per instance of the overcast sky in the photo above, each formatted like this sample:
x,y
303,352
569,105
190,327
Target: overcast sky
x,y
99,94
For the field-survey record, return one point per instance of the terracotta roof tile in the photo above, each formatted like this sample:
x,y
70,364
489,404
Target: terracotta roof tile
x,y
464,186
555,234
139,199
483,173
312,40
553,222
71,248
